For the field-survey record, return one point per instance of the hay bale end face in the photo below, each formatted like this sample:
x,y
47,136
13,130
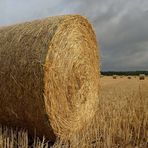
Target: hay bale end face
x,y
141,77
49,75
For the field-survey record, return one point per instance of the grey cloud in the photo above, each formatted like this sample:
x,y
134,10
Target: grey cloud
x,y
121,25
19,10
123,36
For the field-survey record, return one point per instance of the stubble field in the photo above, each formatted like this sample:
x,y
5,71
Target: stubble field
x,y
121,119
123,112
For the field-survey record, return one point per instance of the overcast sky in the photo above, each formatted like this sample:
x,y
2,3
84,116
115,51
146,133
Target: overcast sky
x,y
121,25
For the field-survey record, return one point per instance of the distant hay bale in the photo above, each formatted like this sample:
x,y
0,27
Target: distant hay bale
x,y
141,77
114,76
129,77
49,75
101,76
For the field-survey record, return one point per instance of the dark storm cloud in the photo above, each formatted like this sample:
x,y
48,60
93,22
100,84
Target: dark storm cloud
x,y
124,41
121,25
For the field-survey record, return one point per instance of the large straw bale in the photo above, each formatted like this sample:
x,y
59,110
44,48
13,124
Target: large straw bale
x,y
49,75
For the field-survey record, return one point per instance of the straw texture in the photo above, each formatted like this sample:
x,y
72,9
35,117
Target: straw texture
x,y
49,75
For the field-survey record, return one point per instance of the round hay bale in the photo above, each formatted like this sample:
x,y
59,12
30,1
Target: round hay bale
x,y
129,77
101,76
114,76
49,75
142,77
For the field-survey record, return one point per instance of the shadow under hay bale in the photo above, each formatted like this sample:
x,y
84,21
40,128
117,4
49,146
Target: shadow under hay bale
x,y
49,75
19,138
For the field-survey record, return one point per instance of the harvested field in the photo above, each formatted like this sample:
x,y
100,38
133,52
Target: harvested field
x,y
121,119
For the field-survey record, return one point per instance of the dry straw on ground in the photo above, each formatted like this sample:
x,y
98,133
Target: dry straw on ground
x,y
49,75
141,77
